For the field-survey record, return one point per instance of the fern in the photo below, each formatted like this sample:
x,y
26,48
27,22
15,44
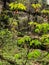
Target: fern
x,y
35,42
34,54
45,27
45,39
36,6
38,28
45,11
27,38
17,6
20,41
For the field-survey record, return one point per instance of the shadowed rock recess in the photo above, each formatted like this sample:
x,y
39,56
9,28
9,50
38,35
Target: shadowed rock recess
x,y
24,32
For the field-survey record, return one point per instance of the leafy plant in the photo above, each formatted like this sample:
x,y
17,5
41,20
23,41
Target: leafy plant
x,y
38,28
27,38
35,42
45,27
32,25
20,41
45,11
36,5
23,40
45,39
17,6
34,54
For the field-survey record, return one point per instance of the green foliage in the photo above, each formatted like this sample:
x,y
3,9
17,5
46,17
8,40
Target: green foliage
x,y
13,21
35,42
17,6
30,23
0,63
34,54
36,5
5,33
5,36
20,41
46,58
38,28
45,11
45,27
23,40
27,38
45,39
17,56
